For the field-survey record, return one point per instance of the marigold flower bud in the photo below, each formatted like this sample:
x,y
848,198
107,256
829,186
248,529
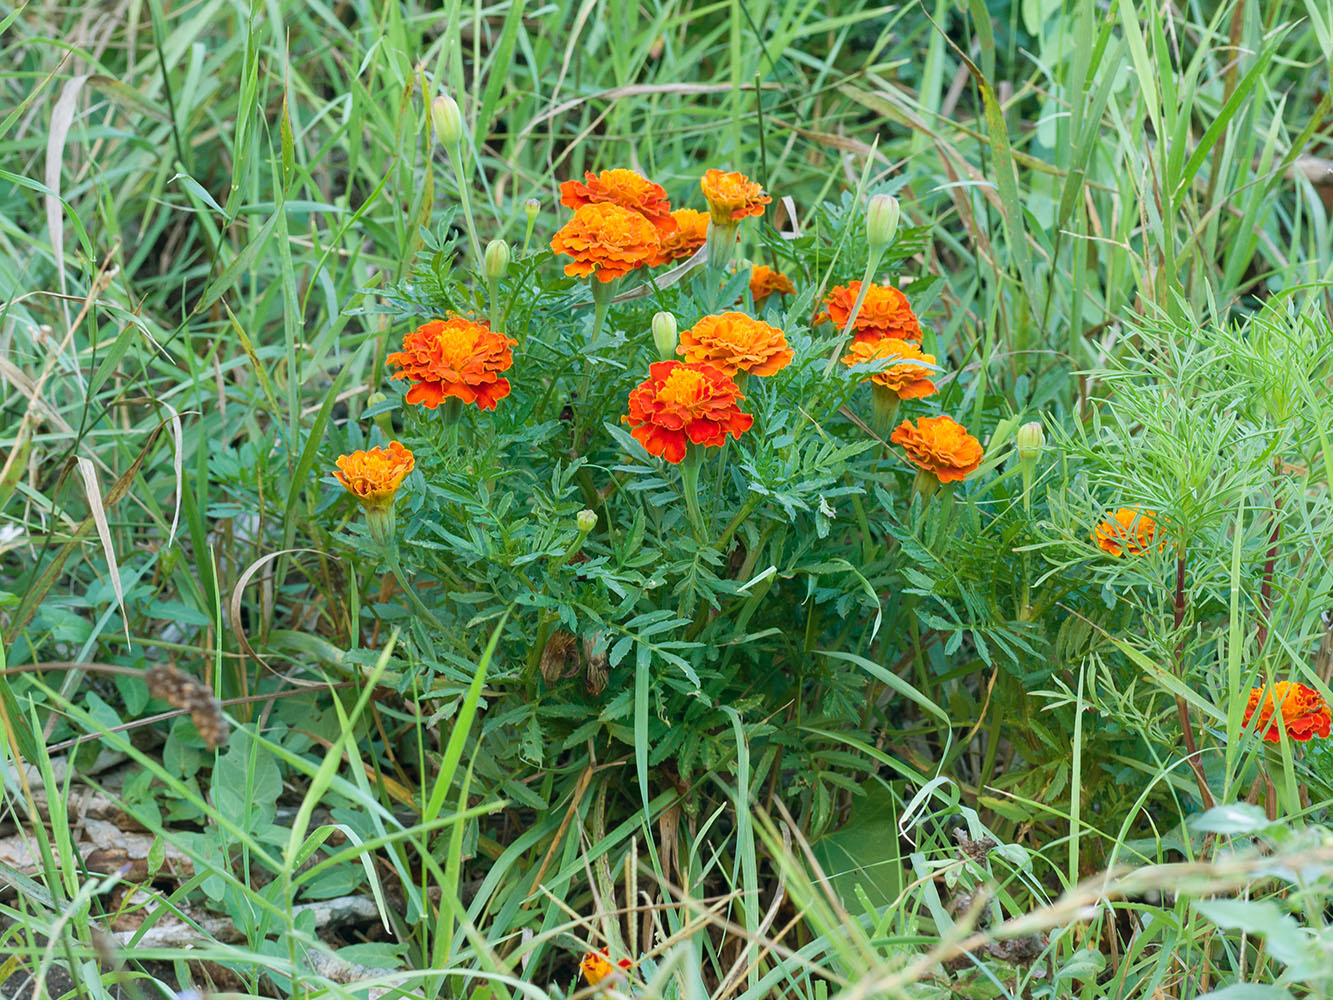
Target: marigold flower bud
x,y
586,520
881,221
448,120
1030,440
664,335
496,259
532,206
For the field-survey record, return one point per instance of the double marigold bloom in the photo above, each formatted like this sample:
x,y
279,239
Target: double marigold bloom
x,y
607,241
625,188
374,475
690,234
1129,529
596,966
680,404
735,342
941,446
884,313
732,197
455,357
905,377
764,281
1298,709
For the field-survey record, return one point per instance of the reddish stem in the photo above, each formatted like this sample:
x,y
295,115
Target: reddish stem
x,y
1182,709
1266,588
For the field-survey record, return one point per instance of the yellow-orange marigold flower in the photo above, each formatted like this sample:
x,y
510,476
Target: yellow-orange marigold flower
x,y
735,342
626,188
374,475
455,357
1129,529
679,404
690,233
764,281
939,445
1301,710
884,313
596,966
607,241
732,196
904,378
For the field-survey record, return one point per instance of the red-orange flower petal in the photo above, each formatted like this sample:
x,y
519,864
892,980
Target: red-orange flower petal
x,y
884,313
732,196
735,342
374,475
626,188
764,281
690,234
596,966
607,241
681,404
455,357
939,445
1129,529
904,378
1301,710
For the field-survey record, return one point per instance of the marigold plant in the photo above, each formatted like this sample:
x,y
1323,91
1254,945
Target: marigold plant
x,y
457,358
1129,529
940,446
690,234
732,196
884,313
607,241
764,281
596,966
904,378
735,342
681,404
626,188
1300,710
373,476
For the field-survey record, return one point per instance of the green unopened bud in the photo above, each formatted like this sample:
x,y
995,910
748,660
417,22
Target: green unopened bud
x,y
1031,439
496,259
448,120
586,520
881,221
664,335
381,419
532,206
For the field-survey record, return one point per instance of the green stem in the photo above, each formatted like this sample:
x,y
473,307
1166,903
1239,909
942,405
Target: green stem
x,y
689,478
457,161
391,557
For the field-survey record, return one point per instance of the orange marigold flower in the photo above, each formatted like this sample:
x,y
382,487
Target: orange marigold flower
x,y
625,188
735,342
764,281
1301,710
455,357
940,445
607,241
1129,529
732,196
596,966
904,378
373,476
884,313
679,404
690,233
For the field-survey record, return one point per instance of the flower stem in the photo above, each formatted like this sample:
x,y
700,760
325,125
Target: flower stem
x,y
689,479
1182,709
457,161
721,243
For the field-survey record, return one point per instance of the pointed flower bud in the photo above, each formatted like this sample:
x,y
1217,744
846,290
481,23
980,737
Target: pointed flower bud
x,y
586,521
532,206
496,259
881,221
448,120
664,335
1031,439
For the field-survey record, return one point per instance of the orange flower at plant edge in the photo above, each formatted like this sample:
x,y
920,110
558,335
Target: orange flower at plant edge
x,y
1129,529
941,446
625,188
679,404
884,313
596,966
764,281
905,379
1301,710
607,241
735,342
455,357
732,196
690,233
373,476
